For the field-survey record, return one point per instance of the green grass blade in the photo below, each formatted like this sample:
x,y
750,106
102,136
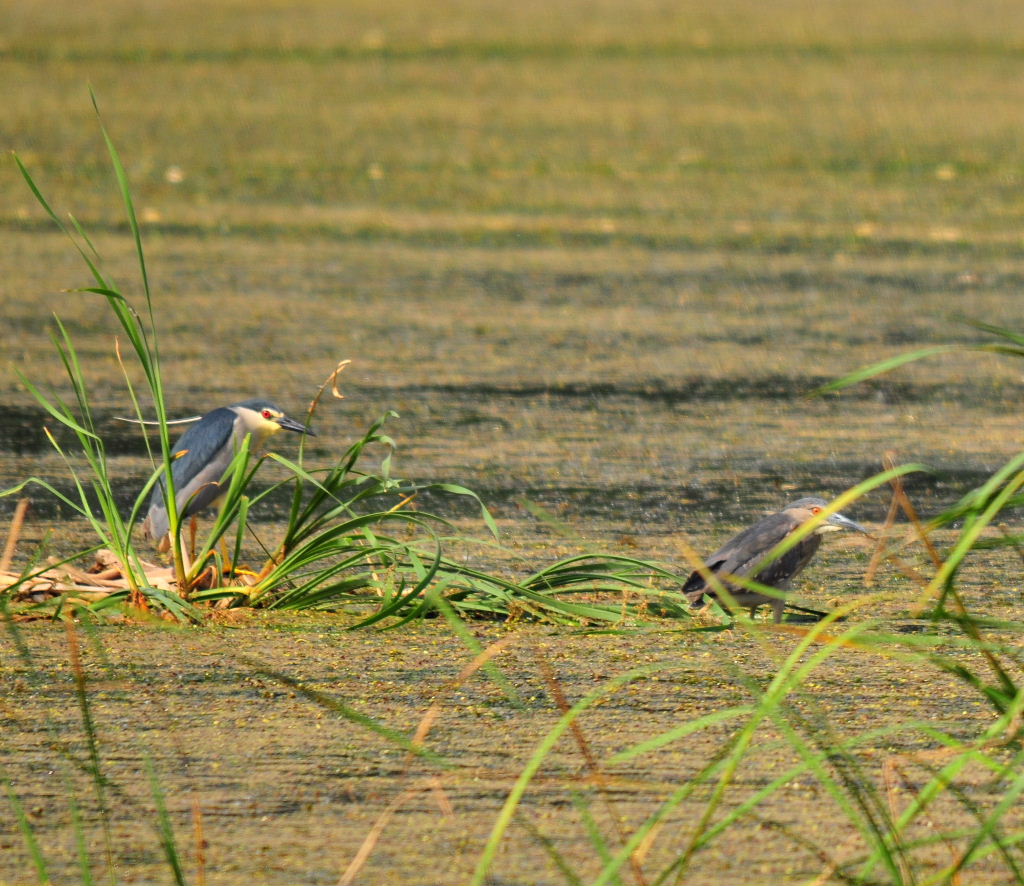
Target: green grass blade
x,y
548,845
347,712
165,828
536,760
999,331
27,833
78,826
582,805
126,196
492,670
37,193
882,367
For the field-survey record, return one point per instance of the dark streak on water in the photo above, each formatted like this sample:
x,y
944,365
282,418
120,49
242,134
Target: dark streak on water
x,y
704,390
21,432
523,237
672,507
668,505
652,505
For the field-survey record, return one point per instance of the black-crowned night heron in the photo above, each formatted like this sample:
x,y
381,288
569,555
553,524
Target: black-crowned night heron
x,y
208,448
741,555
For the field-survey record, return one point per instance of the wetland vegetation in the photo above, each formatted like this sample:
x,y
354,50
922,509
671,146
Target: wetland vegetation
x,y
595,258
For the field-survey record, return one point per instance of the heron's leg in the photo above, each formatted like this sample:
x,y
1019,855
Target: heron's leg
x,y
777,607
165,543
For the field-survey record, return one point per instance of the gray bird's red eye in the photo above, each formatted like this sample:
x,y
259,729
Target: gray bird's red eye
x,y
266,413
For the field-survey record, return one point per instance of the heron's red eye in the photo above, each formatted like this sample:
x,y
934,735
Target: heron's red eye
x,y
266,414
815,510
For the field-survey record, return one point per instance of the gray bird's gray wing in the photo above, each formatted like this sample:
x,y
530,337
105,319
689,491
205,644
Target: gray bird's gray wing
x,y
743,552
778,573
196,473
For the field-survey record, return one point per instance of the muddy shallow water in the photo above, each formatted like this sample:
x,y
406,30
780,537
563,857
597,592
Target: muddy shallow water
x,y
286,790
632,450
595,257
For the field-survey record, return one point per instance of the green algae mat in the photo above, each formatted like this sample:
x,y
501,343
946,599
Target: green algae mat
x,y
595,256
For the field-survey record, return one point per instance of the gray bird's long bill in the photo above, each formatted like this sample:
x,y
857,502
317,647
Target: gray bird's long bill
x,y
841,522
289,424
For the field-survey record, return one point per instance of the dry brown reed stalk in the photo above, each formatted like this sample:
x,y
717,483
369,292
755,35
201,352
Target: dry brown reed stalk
x,y
430,784
832,864
430,717
906,570
890,519
908,508
103,578
13,534
698,563
644,846
900,497
597,775
433,783
900,501
197,831
106,576
332,381
894,775
75,656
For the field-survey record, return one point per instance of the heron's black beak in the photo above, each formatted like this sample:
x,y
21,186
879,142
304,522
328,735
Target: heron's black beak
x,y
841,522
289,424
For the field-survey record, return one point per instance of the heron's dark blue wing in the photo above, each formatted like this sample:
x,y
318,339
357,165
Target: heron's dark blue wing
x,y
197,473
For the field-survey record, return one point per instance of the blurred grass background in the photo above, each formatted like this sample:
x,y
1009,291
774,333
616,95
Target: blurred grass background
x,y
863,158
681,124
